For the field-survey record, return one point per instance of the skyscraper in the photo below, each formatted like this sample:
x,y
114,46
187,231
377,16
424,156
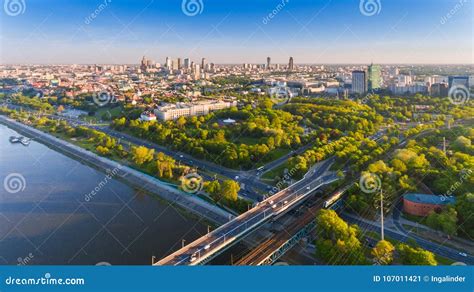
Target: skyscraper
x,y
179,63
203,63
143,64
268,63
359,82
186,63
458,81
374,77
290,64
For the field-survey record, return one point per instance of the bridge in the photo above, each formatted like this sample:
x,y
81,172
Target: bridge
x,y
212,244
269,251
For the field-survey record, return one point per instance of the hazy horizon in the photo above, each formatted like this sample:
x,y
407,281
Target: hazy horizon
x,y
437,32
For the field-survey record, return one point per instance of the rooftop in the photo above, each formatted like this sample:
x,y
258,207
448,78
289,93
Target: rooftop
x,y
429,199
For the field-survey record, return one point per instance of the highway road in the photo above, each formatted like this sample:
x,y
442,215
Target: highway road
x,y
436,248
211,244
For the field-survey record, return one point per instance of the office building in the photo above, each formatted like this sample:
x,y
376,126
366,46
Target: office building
x,y
291,64
186,63
458,81
359,82
268,63
179,63
374,77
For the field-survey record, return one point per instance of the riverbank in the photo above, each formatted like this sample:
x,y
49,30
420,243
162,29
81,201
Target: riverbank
x,y
136,178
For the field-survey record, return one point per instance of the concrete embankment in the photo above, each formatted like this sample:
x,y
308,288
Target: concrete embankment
x,y
122,172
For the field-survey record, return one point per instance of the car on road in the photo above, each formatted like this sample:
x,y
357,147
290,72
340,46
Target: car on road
x,y
463,254
207,247
308,187
274,206
181,156
236,177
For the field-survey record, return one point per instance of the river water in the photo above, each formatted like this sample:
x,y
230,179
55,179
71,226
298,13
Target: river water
x,y
46,219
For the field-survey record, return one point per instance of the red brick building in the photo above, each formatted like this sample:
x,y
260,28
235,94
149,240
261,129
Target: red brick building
x,y
422,204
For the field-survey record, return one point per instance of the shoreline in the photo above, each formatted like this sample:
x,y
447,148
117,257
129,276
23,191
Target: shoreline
x,y
127,174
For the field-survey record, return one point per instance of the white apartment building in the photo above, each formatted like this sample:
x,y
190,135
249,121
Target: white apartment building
x,y
180,109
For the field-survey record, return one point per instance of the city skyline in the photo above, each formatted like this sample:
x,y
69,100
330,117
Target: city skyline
x,y
320,32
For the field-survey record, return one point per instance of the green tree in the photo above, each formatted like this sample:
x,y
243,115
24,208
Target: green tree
x,y
102,150
415,256
213,188
445,221
336,241
465,209
383,252
230,190
142,154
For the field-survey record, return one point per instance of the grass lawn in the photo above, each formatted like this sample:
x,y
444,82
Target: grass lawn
x,y
278,171
111,113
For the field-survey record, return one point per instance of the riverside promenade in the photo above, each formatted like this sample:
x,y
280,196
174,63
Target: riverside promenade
x,y
134,177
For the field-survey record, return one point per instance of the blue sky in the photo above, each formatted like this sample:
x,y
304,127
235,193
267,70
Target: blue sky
x,y
318,31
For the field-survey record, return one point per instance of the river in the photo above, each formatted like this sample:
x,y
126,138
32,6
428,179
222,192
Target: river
x,y
48,215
